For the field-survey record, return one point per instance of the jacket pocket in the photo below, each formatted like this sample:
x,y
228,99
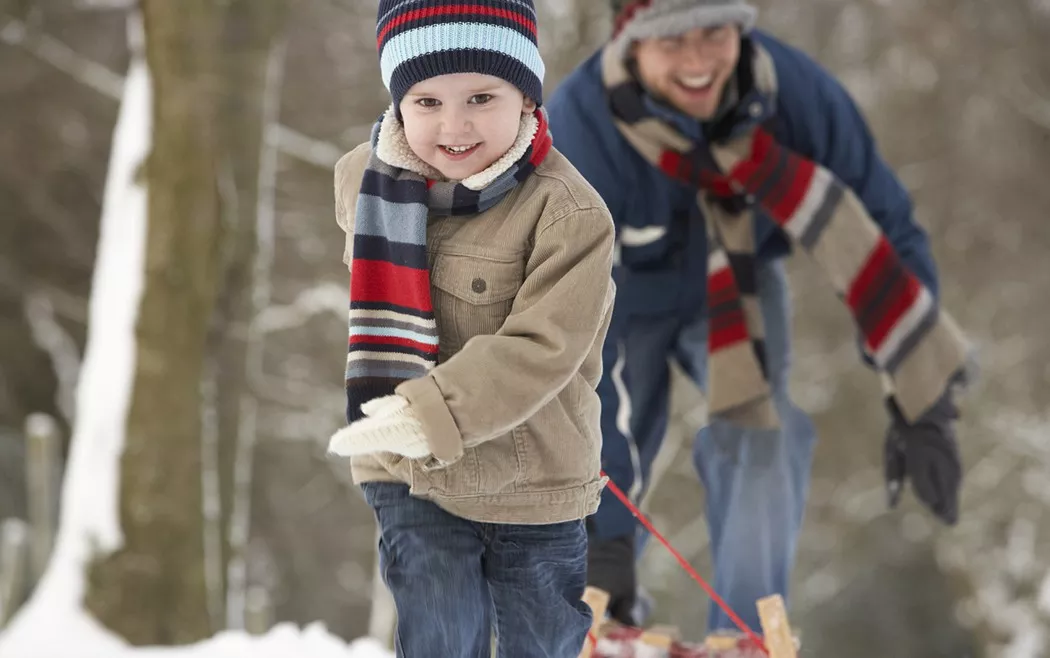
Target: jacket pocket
x,y
473,294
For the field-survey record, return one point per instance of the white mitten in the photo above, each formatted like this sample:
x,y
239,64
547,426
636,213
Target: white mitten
x,y
388,405
390,425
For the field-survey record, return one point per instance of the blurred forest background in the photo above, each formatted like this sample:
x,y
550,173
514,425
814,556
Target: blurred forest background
x,y
958,96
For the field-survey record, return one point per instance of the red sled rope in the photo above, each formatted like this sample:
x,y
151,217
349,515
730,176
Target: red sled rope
x,y
647,524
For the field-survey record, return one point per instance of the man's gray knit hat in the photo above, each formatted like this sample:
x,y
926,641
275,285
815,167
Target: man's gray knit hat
x,y
644,19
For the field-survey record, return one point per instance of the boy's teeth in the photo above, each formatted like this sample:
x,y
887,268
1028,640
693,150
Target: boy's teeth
x,y
460,149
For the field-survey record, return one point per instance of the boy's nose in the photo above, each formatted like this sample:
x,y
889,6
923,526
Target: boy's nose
x,y
456,121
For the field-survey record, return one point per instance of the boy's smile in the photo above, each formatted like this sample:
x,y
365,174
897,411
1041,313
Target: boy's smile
x,y
460,152
461,123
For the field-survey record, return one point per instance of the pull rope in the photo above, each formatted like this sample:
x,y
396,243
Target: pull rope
x,y
647,524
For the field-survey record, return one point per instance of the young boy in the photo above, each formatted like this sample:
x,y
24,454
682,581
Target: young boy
x,y
480,294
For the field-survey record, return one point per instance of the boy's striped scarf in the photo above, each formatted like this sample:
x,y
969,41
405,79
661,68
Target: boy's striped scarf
x,y
908,337
393,333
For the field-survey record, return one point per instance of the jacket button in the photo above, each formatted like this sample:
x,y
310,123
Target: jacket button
x,y
755,109
478,285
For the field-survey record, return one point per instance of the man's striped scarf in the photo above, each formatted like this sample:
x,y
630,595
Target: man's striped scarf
x,y
908,337
393,333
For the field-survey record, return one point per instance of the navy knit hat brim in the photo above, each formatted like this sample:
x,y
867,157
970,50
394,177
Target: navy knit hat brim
x,y
485,62
422,39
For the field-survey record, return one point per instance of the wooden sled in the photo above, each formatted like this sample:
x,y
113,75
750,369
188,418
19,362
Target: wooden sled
x,y
618,641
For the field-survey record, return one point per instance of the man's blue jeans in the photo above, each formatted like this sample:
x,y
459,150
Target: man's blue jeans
x,y
756,481
455,581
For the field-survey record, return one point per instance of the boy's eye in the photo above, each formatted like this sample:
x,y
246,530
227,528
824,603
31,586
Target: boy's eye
x,y
480,99
428,102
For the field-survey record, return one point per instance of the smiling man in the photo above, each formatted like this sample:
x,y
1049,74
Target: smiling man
x,y
718,149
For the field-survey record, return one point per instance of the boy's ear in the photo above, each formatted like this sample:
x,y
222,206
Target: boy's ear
x,y
529,107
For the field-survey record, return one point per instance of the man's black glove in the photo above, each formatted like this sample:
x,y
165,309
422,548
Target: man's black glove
x,y
926,453
610,567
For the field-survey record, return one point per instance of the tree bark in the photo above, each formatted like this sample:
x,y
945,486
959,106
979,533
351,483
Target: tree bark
x,y
248,43
207,66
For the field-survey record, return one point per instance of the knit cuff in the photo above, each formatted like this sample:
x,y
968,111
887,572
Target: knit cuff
x,y
439,427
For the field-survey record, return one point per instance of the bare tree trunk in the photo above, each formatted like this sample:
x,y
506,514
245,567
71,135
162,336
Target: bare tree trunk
x,y
208,63
152,591
251,73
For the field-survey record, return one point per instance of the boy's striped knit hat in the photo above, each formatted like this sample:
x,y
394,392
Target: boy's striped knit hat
x,y
421,39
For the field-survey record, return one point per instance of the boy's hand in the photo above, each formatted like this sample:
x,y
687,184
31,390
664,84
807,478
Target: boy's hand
x,y
390,425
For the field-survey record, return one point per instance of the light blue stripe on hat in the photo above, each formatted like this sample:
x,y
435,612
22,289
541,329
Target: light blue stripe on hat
x,y
459,36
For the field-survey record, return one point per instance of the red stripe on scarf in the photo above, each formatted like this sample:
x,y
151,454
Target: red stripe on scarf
x,y
747,167
430,12
798,187
383,281
358,339
671,164
880,263
728,328
789,190
734,332
675,165
542,142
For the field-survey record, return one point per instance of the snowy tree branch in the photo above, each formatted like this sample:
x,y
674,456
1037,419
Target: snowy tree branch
x,y
265,236
1027,102
322,298
297,145
109,83
64,58
50,337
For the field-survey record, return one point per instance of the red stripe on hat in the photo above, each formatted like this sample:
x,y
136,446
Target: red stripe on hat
x,y
627,13
431,12
383,281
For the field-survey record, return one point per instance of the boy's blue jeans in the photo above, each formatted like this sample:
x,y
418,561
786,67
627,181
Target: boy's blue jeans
x,y
454,581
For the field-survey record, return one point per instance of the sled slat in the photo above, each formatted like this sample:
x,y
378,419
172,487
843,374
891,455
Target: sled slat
x,y
598,600
775,627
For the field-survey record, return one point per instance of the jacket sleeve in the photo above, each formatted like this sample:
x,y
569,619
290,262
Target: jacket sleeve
x,y
842,142
497,381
